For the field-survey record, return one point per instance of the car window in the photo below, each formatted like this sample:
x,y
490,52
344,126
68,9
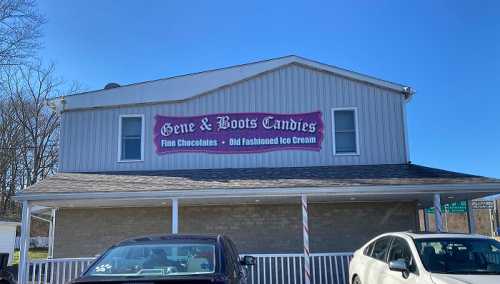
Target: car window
x,y
229,259
381,247
235,252
459,255
163,259
368,250
401,250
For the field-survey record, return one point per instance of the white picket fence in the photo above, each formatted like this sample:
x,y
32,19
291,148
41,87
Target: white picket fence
x,y
331,268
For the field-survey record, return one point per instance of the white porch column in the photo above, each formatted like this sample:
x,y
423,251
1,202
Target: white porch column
x,y
52,230
175,215
305,232
24,244
470,218
437,212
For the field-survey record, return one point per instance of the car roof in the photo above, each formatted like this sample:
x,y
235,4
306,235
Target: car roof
x,y
171,237
436,235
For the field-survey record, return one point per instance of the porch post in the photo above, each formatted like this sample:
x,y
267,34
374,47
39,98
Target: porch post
x,y
24,244
52,230
426,221
471,218
175,215
305,232
437,212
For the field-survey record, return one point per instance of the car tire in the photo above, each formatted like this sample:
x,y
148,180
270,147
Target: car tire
x,y
356,280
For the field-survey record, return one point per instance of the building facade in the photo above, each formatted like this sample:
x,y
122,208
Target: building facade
x,y
234,151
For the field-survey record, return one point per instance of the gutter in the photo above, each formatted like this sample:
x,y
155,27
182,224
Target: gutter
x,y
352,191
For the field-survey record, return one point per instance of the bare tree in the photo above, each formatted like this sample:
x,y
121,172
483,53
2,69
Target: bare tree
x,y
29,128
20,30
10,138
29,88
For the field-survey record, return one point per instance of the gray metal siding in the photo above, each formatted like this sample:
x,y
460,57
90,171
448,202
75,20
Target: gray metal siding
x,y
89,138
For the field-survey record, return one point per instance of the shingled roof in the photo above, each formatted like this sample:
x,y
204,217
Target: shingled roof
x,y
289,177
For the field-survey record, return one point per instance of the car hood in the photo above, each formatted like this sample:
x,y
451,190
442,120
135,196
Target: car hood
x,y
465,279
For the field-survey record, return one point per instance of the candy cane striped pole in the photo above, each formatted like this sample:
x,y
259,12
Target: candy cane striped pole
x,y
305,231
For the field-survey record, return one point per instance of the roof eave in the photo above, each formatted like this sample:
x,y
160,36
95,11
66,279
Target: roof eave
x,y
486,188
65,103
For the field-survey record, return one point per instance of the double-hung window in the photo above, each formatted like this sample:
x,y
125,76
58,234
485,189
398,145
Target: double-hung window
x,y
131,140
345,131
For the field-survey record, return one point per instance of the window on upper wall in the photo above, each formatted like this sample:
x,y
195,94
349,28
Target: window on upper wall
x,y
131,139
345,131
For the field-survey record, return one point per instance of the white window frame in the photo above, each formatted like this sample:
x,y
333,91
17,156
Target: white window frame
x,y
120,119
355,109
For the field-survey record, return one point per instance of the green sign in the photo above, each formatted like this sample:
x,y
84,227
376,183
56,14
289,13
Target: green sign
x,y
455,207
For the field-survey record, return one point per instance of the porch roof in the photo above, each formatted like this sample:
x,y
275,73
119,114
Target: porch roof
x,y
254,178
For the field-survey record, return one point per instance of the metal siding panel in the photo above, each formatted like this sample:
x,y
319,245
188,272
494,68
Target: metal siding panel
x,y
90,138
62,142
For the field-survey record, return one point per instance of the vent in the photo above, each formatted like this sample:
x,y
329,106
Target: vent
x,y
111,86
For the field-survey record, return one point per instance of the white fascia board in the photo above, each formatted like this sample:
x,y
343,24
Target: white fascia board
x,y
353,75
486,188
188,86
171,89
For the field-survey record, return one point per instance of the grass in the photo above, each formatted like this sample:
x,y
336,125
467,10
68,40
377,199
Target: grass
x,y
33,253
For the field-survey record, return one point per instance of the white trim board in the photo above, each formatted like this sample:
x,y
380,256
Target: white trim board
x,y
119,156
356,125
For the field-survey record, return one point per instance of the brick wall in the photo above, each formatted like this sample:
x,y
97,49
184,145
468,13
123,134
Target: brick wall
x,y
344,227
255,229
87,232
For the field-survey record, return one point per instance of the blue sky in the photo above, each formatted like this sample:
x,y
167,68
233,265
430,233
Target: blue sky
x,y
449,51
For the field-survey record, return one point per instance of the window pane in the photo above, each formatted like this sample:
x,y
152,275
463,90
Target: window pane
x,y
345,142
131,127
344,120
401,250
380,248
131,149
131,138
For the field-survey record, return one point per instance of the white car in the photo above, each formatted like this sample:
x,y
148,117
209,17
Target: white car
x,y
426,258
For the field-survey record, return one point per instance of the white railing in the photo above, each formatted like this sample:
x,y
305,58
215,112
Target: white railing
x,y
57,270
331,268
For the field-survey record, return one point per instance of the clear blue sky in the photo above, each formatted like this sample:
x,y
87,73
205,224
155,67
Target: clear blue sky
x,y
449,51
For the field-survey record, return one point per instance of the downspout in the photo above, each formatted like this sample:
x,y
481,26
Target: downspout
x,y
408,94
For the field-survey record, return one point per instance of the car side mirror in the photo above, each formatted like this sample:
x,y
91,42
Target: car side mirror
x,y
401,266
248,260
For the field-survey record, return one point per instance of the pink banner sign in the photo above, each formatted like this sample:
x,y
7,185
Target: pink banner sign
x,y
227,133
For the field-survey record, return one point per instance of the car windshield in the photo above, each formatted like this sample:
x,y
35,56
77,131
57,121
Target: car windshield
x,y
159,260
459,255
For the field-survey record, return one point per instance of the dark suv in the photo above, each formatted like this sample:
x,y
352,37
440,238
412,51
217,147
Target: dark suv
x,y
6,273
170,259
